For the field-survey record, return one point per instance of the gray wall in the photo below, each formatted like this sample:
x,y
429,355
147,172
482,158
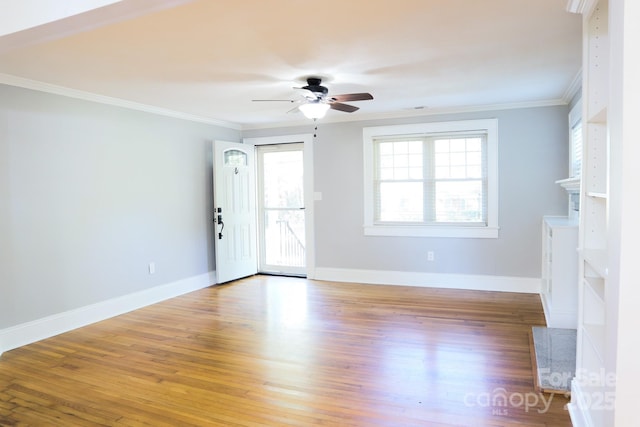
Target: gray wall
x,y
90,194
533,149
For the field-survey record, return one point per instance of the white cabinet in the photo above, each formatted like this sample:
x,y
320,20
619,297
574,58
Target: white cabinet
x,y
560,271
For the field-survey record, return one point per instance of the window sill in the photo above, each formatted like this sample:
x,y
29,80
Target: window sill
x,y
432,231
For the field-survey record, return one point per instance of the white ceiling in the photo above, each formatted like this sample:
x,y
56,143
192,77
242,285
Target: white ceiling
x,y
210,58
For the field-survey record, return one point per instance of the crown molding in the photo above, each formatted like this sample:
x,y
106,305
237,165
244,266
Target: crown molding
x,y
574,87
410,113
11,80
581,6
118,102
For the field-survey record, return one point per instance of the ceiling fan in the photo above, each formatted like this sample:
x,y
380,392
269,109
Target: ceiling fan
x,y
317,100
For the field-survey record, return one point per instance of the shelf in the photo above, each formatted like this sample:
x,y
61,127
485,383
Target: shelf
x,y
599,116
597,195
560,221
597,260
596,284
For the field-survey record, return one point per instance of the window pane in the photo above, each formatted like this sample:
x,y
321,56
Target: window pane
x,y
441,145
386,174
283,175
386,161
474,171
458,172
400,202
458,145
415,160
458,159
442,172
400,160
400,147
415,173
459,201
401,174
284,237
415,147
385,148
235,158
576,150
474,144
474,158
442,159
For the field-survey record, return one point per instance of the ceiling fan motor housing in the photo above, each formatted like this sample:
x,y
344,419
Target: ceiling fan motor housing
x,y
313,85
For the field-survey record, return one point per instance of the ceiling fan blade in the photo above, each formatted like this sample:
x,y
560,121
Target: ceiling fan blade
x,y
352,97
307,93
343,107
273,100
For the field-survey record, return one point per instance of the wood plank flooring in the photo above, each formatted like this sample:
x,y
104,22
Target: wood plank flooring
x,y
273,351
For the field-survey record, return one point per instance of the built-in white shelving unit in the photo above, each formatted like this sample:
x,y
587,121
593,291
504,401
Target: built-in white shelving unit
x,y
592,351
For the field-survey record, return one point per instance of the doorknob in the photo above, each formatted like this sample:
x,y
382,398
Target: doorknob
x,y
219,221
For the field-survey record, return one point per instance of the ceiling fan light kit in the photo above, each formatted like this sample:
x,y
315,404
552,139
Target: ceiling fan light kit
x,y
314,110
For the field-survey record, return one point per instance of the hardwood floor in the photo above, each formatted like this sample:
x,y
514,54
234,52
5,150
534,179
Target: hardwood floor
x,y
272,351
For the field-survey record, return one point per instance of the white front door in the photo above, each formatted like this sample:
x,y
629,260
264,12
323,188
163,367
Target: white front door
x,y
234,210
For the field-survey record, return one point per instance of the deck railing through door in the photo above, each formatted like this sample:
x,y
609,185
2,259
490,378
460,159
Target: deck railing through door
x,y
292,250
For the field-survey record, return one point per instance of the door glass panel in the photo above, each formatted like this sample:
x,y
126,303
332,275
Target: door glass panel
x,y
282,217
283,179
235,158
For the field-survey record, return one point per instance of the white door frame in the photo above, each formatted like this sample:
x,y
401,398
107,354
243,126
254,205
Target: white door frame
x,y
309,198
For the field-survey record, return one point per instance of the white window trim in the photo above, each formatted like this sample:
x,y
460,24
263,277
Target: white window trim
x,y
488,231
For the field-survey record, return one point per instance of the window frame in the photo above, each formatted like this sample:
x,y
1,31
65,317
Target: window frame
x,y
459,230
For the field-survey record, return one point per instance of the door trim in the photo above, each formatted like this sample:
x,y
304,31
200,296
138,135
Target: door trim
x,y
309,198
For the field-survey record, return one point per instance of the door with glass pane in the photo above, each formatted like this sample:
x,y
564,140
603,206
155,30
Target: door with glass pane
x,y
281,218
235,211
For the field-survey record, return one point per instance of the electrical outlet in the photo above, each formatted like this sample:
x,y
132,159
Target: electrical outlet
x,y
152,268
430,256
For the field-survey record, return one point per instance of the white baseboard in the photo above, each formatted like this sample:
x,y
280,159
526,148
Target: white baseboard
x,y
577,407
529,285
36,330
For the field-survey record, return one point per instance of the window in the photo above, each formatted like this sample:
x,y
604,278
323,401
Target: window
x,y
432,179
575,147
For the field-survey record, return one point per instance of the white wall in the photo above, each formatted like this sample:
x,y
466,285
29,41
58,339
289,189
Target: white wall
x,y
89,195
533,149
